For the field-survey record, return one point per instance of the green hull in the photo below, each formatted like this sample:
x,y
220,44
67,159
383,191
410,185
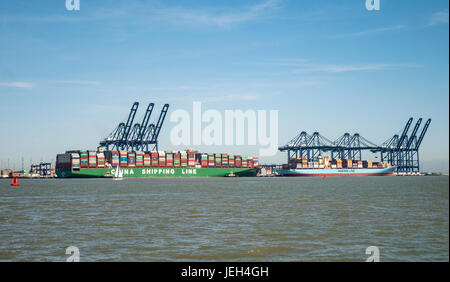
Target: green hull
x,y
156,172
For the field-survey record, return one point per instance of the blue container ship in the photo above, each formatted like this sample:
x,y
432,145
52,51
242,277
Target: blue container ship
x,y
324,167
388,171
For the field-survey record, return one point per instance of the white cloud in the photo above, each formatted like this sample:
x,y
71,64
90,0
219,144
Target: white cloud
x,y
214,99
78,82
307,68
43,19
370,31
439,17
215,18
134,10
16,84
230,98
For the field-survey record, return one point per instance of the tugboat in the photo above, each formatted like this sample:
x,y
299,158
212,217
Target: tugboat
x,y
231,174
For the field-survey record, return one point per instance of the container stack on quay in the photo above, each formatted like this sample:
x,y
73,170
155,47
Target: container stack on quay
x,y
9,173
267,172
6,173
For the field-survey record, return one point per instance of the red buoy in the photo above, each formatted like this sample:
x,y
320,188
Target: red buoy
x,y
15,181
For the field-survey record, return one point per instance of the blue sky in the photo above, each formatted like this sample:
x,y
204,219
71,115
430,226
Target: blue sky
x,y
68,77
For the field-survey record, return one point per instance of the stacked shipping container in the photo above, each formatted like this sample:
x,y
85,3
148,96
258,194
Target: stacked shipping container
x,y
204,160
169,159
224,160
238,160
131,159
176,159
218,158
162,158
182,159
231,162
92,159
191,158
155,158
84,159
100,160
123,159
139,159
147,160
75,161
211,160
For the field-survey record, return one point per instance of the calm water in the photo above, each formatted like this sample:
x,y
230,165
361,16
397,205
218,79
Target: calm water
x,y
263,219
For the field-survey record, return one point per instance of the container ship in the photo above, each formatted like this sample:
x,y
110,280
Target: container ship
x,y
323,167
139,164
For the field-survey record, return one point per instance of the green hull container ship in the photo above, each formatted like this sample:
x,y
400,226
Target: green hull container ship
x,y
157,172
135,164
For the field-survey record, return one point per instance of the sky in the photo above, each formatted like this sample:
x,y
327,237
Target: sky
x,y
67,78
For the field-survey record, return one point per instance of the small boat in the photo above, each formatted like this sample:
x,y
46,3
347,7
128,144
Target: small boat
x,y
118,174
231,174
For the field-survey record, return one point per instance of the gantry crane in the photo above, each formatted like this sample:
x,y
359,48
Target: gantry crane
x,y
401,151
138,136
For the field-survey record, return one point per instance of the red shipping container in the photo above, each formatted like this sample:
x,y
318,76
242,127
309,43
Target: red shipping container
x,y
238,161
162,161
155,159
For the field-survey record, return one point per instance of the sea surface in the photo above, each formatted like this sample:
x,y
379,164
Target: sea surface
x,y
226,219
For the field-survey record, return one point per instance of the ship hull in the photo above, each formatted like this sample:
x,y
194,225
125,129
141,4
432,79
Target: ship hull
x,y
156,172
389,171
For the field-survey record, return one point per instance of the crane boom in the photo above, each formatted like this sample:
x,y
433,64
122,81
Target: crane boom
x,y
145,121
405,131
129,122
159,124
413,134
424,130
